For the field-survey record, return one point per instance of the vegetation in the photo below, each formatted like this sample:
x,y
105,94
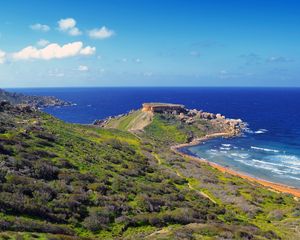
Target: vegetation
x,y
67,181
33,101
136,120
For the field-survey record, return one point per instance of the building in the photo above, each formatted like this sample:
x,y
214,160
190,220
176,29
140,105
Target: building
x,y
163,107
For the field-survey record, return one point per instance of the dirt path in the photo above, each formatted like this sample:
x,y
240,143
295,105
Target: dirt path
x,y
198,191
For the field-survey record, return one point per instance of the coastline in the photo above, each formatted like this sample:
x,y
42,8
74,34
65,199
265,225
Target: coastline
x,y
268,184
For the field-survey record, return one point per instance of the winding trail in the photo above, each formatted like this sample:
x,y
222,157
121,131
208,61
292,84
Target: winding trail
x,y
203,194
189,184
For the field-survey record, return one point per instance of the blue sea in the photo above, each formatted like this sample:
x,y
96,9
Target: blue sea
x,y
270,149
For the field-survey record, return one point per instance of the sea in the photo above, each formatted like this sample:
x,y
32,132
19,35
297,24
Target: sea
x,y
269,149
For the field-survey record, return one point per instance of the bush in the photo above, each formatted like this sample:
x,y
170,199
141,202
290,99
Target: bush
x,y
98,219
44,170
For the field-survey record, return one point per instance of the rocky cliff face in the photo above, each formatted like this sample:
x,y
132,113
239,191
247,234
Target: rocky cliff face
x,y
33,101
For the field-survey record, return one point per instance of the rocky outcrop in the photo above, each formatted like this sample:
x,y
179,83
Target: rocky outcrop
x,y
102,122
219,121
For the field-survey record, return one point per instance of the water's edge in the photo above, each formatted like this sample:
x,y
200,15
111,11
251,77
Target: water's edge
x,y
182,149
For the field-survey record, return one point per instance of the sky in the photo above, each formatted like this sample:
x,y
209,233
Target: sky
x,y
149,43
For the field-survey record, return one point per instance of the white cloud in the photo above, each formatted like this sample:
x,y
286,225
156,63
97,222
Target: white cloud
x,y
83,68
88,50
101,33
74,31
137,60
68,25
2,57
53,51
42,42
40,27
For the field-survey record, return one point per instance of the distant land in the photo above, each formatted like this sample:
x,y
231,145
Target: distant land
x,y
33,101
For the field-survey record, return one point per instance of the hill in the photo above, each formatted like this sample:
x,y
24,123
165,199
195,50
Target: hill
x,y
69,181
134,121
33,101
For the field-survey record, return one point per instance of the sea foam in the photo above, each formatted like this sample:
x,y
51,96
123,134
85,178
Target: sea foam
x,y
260,131
265,149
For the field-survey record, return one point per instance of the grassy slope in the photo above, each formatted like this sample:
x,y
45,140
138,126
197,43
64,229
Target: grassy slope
x,y
72,180
136,120
243,201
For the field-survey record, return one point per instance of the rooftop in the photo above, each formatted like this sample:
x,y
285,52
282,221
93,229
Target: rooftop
x,y
163,105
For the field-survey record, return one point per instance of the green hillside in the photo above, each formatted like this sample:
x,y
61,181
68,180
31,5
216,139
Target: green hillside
x,y
68,181
136,120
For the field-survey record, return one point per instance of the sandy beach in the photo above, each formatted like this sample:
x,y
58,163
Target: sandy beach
x,y
271,185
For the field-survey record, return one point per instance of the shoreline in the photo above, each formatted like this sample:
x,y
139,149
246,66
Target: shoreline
x,y
268,184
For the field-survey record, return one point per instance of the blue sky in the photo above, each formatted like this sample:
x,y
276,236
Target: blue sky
x,y
149,43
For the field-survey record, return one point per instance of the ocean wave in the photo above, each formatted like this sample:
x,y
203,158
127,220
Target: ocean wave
x,y
248,130
223,151
260,131
212,152
240,155
284,167
297,178
226,145
264,165
288,160
225,148
277,168
265,149
270,163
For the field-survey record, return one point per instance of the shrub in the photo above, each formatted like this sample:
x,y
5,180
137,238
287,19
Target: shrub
x,y
44,170
98,219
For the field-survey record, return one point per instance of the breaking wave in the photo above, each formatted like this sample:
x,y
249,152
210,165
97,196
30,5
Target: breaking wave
x,y
226,145
265,149
260,131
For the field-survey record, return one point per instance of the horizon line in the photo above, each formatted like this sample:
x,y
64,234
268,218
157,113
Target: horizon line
x,y
167,86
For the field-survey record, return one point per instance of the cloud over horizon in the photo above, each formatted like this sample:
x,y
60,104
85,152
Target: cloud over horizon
x,y
54,51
